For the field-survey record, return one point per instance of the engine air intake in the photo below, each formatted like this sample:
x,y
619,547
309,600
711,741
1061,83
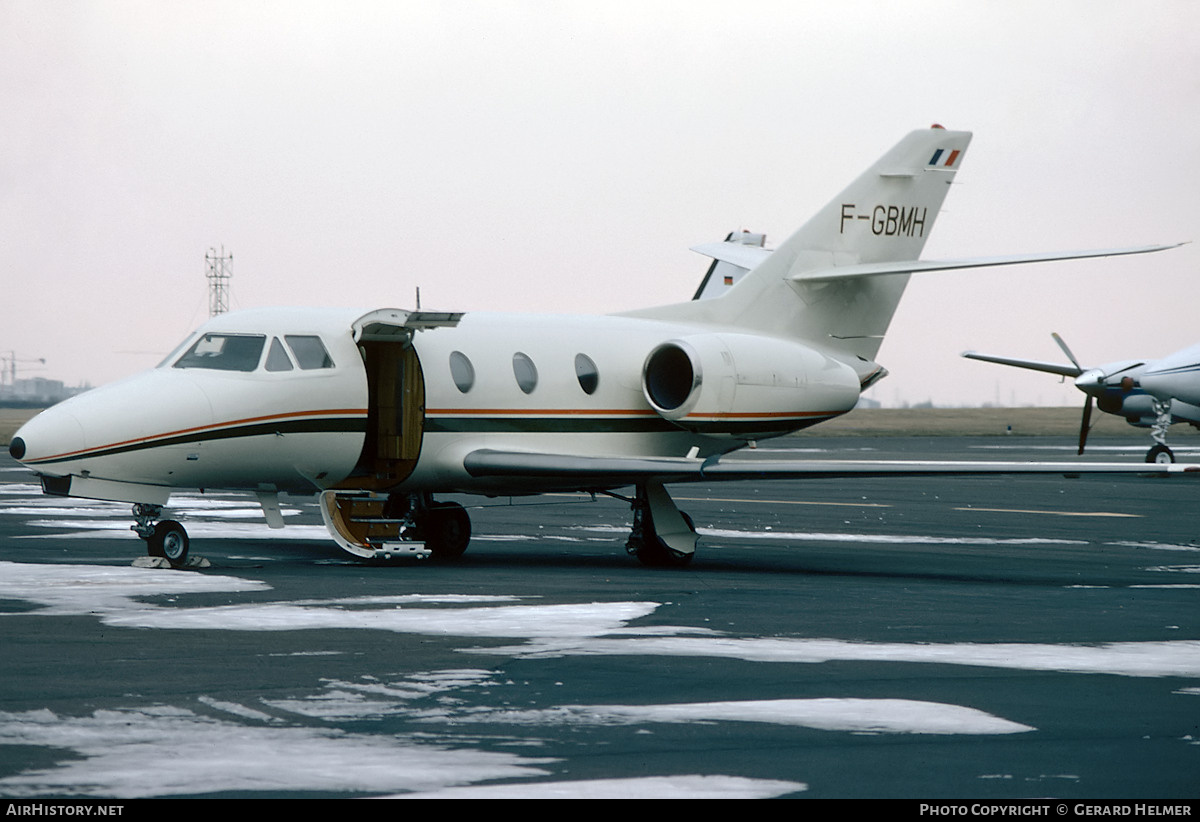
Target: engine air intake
x,y
670,376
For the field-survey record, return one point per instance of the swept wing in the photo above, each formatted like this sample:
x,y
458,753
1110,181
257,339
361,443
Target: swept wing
x,y
614,471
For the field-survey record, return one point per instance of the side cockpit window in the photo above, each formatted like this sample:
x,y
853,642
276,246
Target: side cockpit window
x,y
309,351
224,352
277,358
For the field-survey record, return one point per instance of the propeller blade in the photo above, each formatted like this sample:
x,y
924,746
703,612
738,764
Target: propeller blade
x,y
1066,350
1086,424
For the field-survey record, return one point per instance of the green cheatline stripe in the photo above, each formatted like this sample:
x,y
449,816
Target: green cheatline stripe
x,y
603,425
447,425
544,425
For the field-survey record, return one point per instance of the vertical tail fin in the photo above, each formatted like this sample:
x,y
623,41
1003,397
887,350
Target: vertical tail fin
x,y
888,212
885,215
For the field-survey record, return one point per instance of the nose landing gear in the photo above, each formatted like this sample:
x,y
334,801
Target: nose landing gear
x,y
1159,452
166,539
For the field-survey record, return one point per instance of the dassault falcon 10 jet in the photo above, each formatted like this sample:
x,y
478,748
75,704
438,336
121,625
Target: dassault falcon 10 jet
x,y
1147,393
379,411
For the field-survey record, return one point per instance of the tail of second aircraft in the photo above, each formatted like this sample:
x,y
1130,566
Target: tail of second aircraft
x,y
837,280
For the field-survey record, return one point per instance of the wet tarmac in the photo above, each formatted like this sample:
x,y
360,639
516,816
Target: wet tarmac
x,y
991,638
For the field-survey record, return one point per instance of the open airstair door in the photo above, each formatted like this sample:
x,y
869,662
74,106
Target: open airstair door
x,y
396,395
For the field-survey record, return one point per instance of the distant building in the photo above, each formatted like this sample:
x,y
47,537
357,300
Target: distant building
x,y
36,392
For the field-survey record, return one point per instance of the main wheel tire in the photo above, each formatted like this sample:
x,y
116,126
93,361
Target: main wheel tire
x,y
169,541
654,553
1160,454
447,530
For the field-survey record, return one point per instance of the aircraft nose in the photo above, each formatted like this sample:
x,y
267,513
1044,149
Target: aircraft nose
x,y
52,433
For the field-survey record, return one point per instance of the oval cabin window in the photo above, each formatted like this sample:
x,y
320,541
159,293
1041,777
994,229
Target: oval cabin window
x,y
586,373
525,372
461,371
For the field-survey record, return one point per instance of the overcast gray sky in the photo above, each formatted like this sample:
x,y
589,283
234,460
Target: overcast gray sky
x,y
562,156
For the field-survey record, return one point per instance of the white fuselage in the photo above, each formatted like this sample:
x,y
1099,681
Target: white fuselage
x,y
1175,376
551,384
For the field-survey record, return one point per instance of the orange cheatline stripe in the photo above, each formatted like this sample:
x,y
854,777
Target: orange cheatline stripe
x,y
438,411
542,411
621,412
209,427
762,414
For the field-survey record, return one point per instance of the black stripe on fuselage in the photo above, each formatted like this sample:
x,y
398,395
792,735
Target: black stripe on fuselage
x,y
546,425
323,425
598,425
457,425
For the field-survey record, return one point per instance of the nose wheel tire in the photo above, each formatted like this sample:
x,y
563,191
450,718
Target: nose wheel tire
x,y
1160,454
169,541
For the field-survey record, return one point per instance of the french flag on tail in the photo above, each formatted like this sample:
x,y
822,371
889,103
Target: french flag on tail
x,y
951,158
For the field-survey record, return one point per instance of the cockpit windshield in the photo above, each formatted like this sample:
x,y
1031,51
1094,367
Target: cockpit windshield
x,y
224,352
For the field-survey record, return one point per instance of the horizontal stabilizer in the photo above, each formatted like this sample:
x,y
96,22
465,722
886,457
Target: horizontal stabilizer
x,y
913,266
743,256
734,257
885,213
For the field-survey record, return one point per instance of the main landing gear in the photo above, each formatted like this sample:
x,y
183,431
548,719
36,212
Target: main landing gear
x,y
380,526
662,535
166,538
444,527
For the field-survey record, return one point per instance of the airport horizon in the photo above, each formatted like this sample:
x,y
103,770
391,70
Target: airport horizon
x,y
912,420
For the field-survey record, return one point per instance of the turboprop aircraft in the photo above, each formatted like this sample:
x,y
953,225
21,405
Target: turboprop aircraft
x,y
1147,393
380,410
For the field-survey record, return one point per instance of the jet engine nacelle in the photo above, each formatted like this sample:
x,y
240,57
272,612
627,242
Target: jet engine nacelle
x,y
745,386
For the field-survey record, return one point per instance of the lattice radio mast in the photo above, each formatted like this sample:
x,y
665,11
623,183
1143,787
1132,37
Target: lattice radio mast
x,y
219,272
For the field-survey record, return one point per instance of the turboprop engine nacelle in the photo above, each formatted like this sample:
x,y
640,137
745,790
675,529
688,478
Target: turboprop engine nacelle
x,y
745,386
1132,406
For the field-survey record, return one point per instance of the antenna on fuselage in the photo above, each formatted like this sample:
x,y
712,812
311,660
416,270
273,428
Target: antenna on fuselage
x,y
219,272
